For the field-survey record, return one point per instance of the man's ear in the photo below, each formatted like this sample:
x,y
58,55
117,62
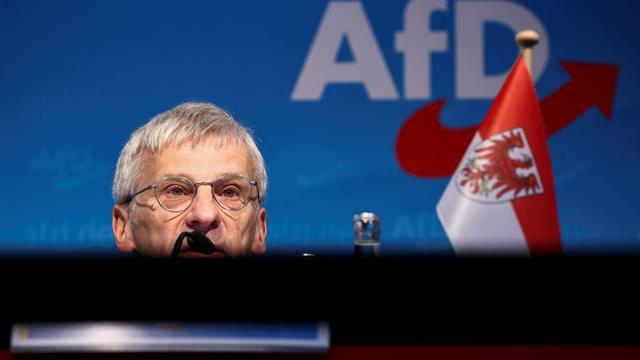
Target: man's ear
x,y
259,246
122,228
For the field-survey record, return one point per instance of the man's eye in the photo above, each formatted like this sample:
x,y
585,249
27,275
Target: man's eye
x,y
176,190
230,193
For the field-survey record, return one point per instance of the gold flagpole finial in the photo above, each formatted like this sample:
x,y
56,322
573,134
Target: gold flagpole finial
x,y
527,39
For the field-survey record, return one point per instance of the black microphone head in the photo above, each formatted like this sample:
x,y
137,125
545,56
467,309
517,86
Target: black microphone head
x,y
200,243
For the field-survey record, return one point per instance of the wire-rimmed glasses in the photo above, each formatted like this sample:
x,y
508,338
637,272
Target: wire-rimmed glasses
x,y
176,193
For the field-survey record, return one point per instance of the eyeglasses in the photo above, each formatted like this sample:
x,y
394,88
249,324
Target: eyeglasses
x,y
176,193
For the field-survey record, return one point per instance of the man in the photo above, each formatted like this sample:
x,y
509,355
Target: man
x,y
192,168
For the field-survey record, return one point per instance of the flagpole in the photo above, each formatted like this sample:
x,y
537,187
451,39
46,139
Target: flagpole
x,y
527,39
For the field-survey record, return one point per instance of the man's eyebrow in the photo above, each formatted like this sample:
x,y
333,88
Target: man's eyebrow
x,y
191,177
230,173
167,175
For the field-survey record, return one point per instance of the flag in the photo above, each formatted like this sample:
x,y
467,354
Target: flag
x,y
501,199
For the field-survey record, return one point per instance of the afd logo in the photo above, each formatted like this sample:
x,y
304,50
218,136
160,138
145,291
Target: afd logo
x,y
67,167
424,146
347,21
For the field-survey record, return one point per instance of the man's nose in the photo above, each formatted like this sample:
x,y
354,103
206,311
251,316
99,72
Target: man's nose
x,y
204,213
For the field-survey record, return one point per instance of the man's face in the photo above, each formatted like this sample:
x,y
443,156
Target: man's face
x,y
154,230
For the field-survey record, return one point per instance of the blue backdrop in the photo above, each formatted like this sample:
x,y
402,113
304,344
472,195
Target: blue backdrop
x,y
77,77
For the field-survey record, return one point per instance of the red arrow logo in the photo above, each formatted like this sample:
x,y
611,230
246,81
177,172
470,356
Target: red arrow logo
x,y
425,148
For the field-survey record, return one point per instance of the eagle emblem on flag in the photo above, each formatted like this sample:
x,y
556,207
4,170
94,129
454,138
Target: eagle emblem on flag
x,y
500,168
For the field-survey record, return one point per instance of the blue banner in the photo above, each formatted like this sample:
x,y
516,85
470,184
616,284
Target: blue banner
x,y
326,86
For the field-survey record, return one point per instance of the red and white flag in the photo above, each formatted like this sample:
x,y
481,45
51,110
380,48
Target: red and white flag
x,y
501,199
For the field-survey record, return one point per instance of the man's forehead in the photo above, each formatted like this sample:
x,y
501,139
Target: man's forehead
x,y
199,160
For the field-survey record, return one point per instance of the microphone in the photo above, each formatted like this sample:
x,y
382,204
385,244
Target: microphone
x,y
200,243
197,242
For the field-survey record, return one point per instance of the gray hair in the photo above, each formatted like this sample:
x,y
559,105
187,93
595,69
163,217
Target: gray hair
x,y
186,122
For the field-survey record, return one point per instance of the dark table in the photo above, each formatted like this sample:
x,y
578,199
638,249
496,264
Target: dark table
x,y
412,305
